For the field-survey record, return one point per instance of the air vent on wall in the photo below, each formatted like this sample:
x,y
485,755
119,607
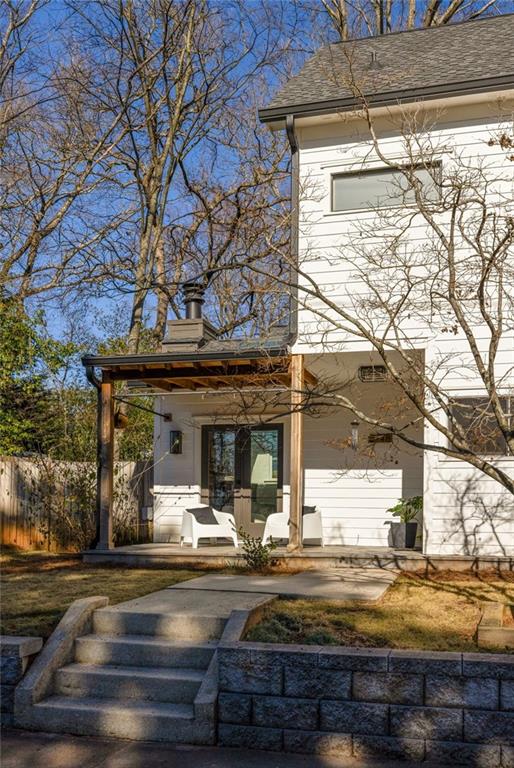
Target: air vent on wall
x,y
380,437
370,373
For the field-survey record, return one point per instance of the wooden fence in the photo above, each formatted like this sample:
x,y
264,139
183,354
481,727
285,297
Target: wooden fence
x,y
46,504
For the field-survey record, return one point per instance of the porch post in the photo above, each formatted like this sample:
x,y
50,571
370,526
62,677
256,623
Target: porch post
x,y
296,472
106,463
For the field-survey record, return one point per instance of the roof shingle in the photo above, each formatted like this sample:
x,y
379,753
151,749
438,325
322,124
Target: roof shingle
x,y
416,60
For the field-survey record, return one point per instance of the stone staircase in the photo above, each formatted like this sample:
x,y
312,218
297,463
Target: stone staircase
x,y
138,675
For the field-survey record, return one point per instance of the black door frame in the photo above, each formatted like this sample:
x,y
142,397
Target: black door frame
x,y
242,470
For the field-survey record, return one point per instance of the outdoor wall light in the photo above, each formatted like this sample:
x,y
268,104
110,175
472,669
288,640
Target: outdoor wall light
x,y
175,441
355,434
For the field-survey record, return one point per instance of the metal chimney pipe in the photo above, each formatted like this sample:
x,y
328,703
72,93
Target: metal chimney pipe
x,y
193,300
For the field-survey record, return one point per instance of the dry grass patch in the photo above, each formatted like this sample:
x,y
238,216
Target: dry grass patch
x,y
440,612
37,588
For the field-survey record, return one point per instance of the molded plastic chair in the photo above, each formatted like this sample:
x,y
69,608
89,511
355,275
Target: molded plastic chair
x,y
277,525
192,530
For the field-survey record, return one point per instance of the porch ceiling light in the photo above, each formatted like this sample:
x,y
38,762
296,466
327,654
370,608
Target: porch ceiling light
x,y
355,434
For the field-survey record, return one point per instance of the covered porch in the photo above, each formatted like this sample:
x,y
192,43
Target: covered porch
x,y
202,369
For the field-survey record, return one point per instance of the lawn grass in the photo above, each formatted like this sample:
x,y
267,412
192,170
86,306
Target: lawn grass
x,y
37,588
439,613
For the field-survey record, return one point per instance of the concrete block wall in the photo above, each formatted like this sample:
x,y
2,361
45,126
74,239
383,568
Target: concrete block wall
x,y
16,654
443,708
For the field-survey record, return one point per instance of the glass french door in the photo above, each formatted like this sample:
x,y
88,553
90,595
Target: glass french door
x,y
242,472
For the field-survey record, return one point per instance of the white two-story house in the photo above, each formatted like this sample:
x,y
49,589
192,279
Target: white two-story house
x,y
400,345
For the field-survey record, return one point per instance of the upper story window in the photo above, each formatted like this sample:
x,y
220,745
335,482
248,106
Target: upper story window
x,y
381,188
475,415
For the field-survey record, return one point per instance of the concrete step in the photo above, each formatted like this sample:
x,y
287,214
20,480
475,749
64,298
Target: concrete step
x,y
140,651
140,721
142,683
175,626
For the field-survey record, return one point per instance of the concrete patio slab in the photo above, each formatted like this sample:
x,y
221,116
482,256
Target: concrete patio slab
x,y
341,556
363,584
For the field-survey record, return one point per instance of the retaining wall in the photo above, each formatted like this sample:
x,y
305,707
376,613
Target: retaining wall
x,y
16,653
423,706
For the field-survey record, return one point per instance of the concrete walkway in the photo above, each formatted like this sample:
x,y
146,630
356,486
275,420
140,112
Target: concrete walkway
x,y
364,584
23,749
202,603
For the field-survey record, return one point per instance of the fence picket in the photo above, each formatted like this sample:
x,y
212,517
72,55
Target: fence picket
x,y
25,524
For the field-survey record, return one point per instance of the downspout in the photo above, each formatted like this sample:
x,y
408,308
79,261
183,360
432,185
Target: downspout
x,y
295,212
296,457
95,381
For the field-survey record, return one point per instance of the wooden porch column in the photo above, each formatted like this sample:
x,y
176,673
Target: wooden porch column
x,y
106,463
296,472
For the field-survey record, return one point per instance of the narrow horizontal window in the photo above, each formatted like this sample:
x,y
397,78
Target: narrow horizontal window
x,y
475,416
383,187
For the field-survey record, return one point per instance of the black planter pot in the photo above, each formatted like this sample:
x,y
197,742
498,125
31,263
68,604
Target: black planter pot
x,y
403,535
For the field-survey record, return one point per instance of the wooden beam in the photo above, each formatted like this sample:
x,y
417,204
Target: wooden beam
x,y
195,383
106,463
296,478
161,384
203,368
310,378
205,382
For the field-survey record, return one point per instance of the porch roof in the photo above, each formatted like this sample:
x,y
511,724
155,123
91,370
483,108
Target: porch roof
x,y
216,365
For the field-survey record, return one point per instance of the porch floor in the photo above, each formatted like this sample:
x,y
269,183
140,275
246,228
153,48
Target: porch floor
x,y
225,555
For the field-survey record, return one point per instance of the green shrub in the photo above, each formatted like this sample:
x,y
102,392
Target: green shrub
x,y
256,555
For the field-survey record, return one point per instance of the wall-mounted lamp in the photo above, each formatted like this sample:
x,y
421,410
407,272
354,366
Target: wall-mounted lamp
x,y
355,434
175,441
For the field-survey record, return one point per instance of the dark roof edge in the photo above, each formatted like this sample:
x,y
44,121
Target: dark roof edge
x,y
387,98
170,357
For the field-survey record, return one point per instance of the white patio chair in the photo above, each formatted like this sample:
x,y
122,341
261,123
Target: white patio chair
x,y
277,525
194,529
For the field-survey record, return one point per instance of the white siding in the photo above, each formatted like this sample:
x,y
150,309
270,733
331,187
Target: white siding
x,y
329,242
465,512
353,504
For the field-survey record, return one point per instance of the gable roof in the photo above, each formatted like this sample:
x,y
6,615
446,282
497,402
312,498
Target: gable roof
x,y
452,59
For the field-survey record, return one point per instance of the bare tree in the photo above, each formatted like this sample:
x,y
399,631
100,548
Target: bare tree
x,y
134,160
174,74
233,221
357,18
54,153
17,34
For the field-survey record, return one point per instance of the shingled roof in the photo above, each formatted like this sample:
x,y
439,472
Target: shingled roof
x,y
425,63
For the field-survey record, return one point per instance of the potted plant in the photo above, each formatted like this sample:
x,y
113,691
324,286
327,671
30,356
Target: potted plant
x,y
403,534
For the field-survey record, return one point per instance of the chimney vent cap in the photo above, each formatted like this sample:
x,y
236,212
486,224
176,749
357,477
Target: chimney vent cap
x,y
193,299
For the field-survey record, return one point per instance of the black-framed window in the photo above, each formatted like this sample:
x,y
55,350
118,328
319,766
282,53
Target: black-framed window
x,y
475,415
382,187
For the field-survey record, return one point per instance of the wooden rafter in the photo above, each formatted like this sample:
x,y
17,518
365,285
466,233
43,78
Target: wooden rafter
x,y
212,374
